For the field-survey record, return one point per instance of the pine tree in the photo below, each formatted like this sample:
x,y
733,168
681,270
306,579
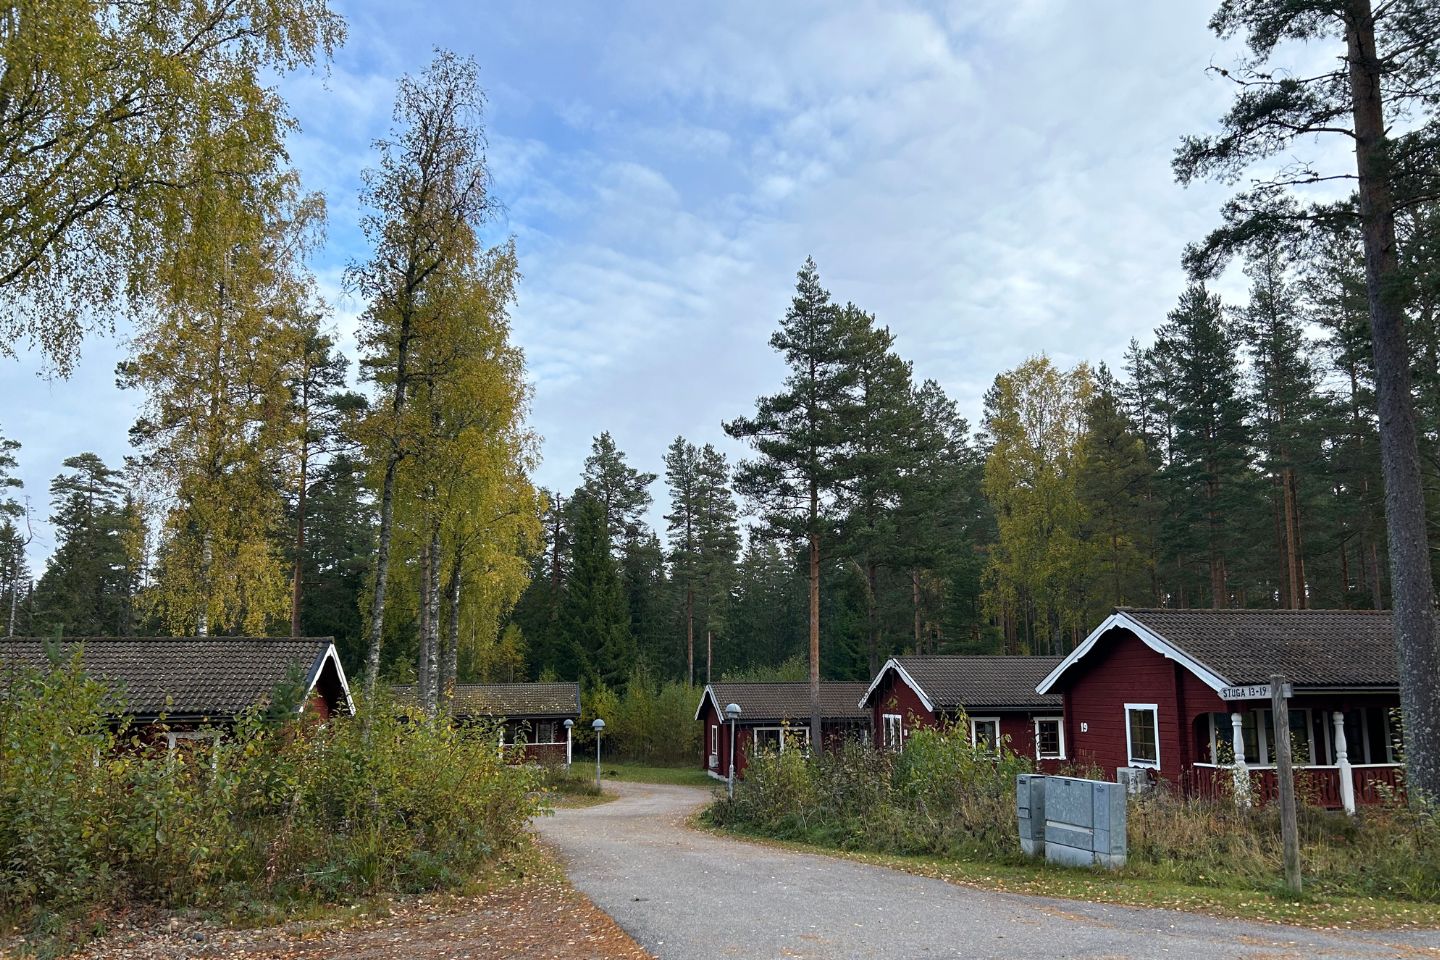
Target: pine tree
x,y
337,557
800,436
717,545
1388,65
622,491
681,522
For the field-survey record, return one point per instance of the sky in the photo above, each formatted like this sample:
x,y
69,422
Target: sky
x,y
991,179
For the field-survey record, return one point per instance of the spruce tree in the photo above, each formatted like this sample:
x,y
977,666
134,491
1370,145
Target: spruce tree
x,y
594,618
1209,467
800,436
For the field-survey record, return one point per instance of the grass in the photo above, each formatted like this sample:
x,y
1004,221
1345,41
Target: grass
x,y
687,776
1320,911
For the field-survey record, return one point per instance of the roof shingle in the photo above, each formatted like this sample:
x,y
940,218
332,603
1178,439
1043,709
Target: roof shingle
x,y
982,682
508,700
1317,648
789,700
182,676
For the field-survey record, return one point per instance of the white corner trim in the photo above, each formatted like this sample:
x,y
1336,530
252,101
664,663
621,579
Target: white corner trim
x,y
894,664
1154,641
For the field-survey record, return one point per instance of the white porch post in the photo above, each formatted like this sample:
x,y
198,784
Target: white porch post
x,y
1241,770
1342,761
569,743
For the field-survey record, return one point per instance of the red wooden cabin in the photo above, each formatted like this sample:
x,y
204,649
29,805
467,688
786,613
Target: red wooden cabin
x,y
172,686
774,716
530,717
996,694
1184,694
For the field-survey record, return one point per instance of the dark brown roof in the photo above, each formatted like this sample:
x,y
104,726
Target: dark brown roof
x,y
1315,648
509,700
983,682
775,702
184,676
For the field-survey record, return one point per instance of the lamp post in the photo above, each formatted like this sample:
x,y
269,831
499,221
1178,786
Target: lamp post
x,y
598,726
733,713
569,740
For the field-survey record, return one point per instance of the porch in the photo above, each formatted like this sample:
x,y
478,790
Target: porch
x,y
1320,785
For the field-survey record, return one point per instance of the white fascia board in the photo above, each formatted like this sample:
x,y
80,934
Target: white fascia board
x,y
317,668
893,664
1154,641
709,694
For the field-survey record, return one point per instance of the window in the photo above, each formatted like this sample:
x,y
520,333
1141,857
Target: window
x,y
1142,734
781,739
714,744
894,732
545,731
1049,738
985,733
1257,731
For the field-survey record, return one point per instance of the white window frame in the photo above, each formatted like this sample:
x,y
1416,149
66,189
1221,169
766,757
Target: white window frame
x,y
1130,747
975,740
1059,725
893,722
786,733
714,744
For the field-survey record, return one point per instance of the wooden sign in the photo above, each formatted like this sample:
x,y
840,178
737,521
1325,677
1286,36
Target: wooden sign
x,y
1254,691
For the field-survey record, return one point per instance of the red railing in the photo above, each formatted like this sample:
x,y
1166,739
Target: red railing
x,y
1317,785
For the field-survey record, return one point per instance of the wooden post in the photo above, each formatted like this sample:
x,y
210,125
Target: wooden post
x,y
1343,768
1240,770
1285,776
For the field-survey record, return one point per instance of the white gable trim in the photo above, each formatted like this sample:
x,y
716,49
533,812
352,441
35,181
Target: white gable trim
x,y
1151,639
317,668
893,664
709,694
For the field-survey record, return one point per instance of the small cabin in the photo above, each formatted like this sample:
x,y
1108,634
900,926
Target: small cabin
x,y
774,716
530,717
189,682
995,694
1185,697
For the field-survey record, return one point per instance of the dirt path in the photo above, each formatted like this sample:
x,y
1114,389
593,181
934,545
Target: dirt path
x,y
689,895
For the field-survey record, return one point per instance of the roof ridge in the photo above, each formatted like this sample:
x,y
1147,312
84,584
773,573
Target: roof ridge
x,y
1250,610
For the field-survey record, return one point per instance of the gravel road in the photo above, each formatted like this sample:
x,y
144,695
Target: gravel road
x,y
688,895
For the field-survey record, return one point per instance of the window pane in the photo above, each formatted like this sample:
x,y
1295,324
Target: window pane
x,y
1047,738
987,734
1143,746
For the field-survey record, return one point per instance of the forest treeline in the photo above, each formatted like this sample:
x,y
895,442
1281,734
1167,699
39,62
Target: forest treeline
x,y
1232,458
1230,461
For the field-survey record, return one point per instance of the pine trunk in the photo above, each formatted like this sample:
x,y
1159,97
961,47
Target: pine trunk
x,y
1412,589
1295,567
872,616
915,600
690,632
815,640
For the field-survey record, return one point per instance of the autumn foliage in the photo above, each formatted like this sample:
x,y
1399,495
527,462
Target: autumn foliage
x,y
277,813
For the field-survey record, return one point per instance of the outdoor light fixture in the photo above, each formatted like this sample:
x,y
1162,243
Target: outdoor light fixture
x,y
569,724
733,712
598,726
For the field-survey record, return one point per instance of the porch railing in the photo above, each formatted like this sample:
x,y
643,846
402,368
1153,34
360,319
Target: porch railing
x,y
1319,783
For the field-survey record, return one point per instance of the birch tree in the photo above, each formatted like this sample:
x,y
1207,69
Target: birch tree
x,y
428,198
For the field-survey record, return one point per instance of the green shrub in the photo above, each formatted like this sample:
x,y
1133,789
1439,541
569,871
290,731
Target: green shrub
x,y
942,797
273,811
